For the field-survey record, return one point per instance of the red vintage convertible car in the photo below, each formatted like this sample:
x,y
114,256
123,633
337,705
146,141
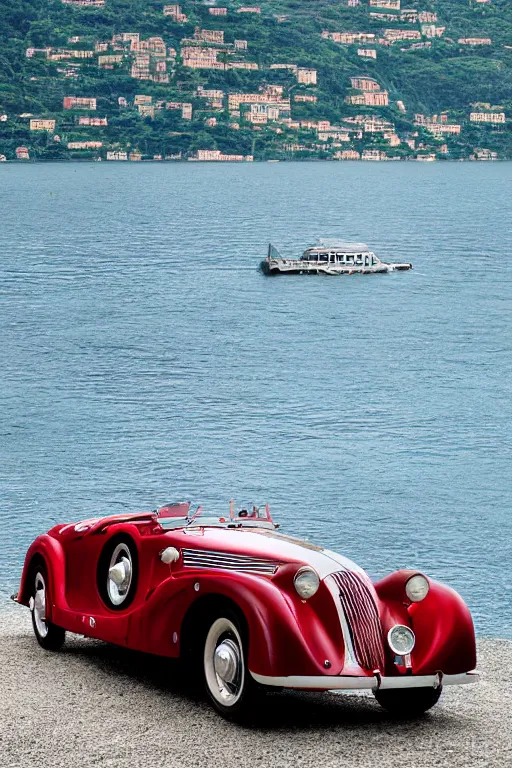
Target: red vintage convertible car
x,y
249,607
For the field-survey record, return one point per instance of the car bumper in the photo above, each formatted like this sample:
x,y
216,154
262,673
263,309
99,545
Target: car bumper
x,y
374,682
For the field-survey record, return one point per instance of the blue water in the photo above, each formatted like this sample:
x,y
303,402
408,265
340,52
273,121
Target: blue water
x,y
144,358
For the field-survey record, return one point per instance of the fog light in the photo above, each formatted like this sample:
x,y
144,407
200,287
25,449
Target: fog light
x,y
401,640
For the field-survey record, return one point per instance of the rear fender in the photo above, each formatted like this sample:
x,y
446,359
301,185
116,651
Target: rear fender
x,y
286,635
52,554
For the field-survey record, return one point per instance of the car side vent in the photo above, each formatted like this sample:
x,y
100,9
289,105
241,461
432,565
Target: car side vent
x,y
363,619
206,558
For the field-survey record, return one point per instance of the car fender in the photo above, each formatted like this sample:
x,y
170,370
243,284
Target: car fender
x,y
286,634
52,553
445,635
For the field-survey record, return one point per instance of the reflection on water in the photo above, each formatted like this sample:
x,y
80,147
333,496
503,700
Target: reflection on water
x,y
145,358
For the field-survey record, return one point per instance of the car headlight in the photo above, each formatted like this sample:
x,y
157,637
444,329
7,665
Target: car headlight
x,y
401,639
416,588
306,582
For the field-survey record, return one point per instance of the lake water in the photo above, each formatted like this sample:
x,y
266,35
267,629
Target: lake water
x,y
144,358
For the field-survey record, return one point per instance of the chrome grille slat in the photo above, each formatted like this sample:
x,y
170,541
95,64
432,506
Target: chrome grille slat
x,y
363,619
204,558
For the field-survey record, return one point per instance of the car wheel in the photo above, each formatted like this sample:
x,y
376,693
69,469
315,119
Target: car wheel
x,y
48,635
117,572
228,681
407,703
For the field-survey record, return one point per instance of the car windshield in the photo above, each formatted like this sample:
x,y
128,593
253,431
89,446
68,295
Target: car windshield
x,y
246,516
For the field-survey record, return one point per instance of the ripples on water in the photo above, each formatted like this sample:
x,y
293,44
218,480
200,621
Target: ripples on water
x,y
145,359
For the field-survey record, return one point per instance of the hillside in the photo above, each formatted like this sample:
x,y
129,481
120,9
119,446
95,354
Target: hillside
x,y
146,79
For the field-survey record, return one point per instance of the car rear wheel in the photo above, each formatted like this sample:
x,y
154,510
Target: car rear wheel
x,y
407,703
48,635
117,572
228,681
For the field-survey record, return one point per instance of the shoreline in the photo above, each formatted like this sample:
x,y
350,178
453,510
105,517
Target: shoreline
x,y
98,704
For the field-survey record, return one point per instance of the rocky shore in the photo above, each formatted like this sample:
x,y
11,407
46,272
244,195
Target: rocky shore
x,y
97,705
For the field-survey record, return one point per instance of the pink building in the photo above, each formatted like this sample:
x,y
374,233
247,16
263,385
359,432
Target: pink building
x,y
364,84
77,102
174,11
487,117
209,35
306,76
218,11
22,153
95,122
85,144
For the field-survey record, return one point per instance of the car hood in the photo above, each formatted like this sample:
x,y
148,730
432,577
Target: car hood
x,y
265,545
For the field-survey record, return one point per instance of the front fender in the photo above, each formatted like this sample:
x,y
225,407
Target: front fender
x,y
287,636
445,635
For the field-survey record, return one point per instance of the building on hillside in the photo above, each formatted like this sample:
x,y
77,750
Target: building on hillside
x,y
240,45
438,129
305,97
349,38
61,54
184,107
401,106
392,35
218,11
38,124
306,76
175,12
117,154
392,4
364,83
209,35
22,153
101,46
431,30
417,46
290,67
241,65
147,110
96,122
487,117
79,102
135,156
427,17
141,98
110,61
475,41
84,3
369,53
369,99
85,144
214,96
249,9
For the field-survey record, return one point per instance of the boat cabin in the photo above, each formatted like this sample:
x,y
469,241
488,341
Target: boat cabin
x,y
340,252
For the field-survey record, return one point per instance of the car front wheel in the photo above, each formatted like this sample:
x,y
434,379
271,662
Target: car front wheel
x,y
407,703
228,681
48,635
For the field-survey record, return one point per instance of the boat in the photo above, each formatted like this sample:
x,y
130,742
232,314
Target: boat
x,y
329,257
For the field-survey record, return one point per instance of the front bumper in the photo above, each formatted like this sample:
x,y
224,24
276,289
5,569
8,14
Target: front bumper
x,y
374,682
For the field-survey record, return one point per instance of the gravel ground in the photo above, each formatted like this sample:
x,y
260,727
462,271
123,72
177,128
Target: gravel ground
x,y
97,705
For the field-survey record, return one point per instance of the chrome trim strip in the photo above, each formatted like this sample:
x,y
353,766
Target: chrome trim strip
x,y
345,682
203,558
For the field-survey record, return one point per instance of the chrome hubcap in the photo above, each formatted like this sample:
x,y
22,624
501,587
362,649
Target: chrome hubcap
x,y
224,662
39,606
119,576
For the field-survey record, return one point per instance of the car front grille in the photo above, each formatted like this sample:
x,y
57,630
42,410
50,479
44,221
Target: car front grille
x,y
362,618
